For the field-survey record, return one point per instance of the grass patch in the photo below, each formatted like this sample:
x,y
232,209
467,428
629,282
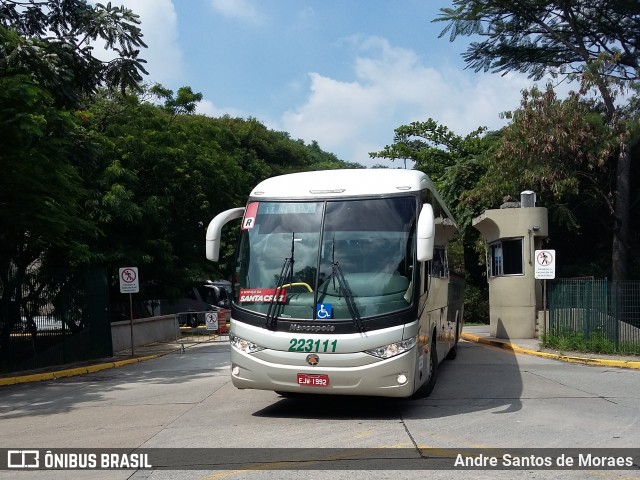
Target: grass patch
x,y
596,342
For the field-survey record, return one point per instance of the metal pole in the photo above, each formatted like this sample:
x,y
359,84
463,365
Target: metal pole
x,y
131,320
544,308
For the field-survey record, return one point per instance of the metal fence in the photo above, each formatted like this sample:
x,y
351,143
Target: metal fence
x,y
596,309
54,319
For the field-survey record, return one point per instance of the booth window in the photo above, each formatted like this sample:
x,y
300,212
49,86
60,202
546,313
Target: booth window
x,y
505,258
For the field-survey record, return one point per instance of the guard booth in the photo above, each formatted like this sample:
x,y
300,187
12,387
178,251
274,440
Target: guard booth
x,y
512,234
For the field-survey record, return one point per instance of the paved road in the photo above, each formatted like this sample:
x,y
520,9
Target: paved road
x,y
486,398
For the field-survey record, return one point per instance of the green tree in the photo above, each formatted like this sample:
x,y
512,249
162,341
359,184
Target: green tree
x,y
46,72
322,160
560,149
593,41
455,164
166,172
40,190
162,175
56,46
556,147
185,102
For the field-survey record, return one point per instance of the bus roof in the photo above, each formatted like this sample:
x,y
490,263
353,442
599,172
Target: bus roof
x,y
342,183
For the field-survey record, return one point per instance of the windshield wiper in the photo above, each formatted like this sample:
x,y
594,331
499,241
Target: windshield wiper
x,y
287,271
338,273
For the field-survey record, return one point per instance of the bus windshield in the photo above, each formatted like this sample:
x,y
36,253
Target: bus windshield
x,y
327,260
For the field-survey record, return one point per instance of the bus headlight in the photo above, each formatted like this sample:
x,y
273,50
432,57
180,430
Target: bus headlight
x,y
393,349
244,345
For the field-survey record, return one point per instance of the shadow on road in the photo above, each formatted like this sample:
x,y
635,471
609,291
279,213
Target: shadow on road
x,y
480,378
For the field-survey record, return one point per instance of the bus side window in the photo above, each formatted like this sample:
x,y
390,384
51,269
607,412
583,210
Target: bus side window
x,y
439,267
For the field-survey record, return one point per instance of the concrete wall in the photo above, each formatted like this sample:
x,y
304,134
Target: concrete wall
x,y
512,307
514,300
145,331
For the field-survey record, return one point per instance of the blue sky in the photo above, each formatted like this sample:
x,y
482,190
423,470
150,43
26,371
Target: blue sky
x,y
345,73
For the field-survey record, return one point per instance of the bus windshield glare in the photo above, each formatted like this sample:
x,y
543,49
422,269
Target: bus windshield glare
x,y
327,259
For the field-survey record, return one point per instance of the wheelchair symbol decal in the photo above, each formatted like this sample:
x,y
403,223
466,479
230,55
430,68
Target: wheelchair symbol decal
x,y
323,311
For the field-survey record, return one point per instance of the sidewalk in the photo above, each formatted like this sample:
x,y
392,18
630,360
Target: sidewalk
x,y
119,359
531,346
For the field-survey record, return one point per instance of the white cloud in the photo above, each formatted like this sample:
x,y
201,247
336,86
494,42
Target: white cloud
x,y
243,10
206,107
394,87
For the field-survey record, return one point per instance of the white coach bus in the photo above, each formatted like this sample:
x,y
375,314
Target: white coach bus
x,y
344,284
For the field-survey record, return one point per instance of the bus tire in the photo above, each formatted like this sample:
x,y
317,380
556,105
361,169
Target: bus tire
x,y
427,387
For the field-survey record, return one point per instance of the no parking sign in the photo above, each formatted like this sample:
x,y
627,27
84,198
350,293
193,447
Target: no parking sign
x,y
129,280
211,320
545,268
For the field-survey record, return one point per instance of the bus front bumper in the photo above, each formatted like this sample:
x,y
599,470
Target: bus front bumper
x,y
341,374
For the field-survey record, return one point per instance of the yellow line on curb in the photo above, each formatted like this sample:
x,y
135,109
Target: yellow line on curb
x,y
602,362
71,372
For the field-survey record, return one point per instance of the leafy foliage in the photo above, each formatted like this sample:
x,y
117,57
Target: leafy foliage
x,y
454,163
40,188
593,41
562,149
537,37
97,173
558,148
55,46
165,173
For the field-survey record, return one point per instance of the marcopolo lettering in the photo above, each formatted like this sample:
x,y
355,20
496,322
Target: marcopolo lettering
x,y
295,327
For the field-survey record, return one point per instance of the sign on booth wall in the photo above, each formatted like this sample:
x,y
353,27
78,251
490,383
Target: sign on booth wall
x,y
545,264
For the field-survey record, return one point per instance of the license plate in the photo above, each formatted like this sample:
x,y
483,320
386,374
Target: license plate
x,y
312,380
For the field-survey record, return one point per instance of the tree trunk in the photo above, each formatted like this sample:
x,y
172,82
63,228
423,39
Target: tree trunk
x,y
621,239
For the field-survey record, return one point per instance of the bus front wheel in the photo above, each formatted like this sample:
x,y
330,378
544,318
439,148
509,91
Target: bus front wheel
x,y
427,387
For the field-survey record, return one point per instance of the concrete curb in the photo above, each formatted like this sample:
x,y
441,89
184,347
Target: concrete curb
x,y
71,372
602,362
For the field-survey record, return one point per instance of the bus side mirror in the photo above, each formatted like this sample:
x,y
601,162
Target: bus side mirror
x,y
426,234
214,231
